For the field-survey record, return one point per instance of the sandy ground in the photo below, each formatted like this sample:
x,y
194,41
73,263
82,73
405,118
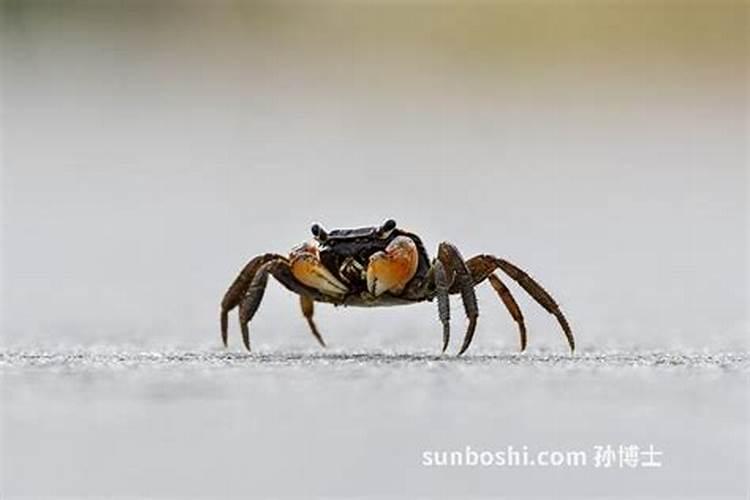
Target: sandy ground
x,y
210,424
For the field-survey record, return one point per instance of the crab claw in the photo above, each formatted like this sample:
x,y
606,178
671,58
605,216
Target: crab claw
x,y
308,270
391,270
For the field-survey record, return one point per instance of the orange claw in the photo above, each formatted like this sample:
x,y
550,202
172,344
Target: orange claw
x,y
391,270
308,270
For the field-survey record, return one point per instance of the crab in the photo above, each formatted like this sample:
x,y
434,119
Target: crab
x,y
381,266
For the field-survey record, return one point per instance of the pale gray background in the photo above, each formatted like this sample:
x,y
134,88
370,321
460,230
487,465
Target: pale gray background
x,y
150,149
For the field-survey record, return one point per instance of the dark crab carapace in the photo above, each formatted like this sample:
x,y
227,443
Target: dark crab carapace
x,y
378,266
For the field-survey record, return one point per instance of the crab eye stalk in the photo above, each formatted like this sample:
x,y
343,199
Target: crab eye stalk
x,y
319,233
387,227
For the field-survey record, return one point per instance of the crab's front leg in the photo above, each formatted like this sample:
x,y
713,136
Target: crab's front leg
x,y
450,274
441,284
460,277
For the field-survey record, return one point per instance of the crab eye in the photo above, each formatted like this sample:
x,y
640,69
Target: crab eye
x,y
386,229
319,233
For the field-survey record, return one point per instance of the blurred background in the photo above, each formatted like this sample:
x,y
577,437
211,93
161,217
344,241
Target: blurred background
x,y
151,148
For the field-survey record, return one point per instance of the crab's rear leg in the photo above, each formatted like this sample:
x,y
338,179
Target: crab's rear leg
x,y
511,305
482,266
238,289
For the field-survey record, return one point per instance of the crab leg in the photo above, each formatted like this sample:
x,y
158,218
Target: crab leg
x,y
308,308
237,290
280,270
443,300
511,305
462,278
251,301
482,266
